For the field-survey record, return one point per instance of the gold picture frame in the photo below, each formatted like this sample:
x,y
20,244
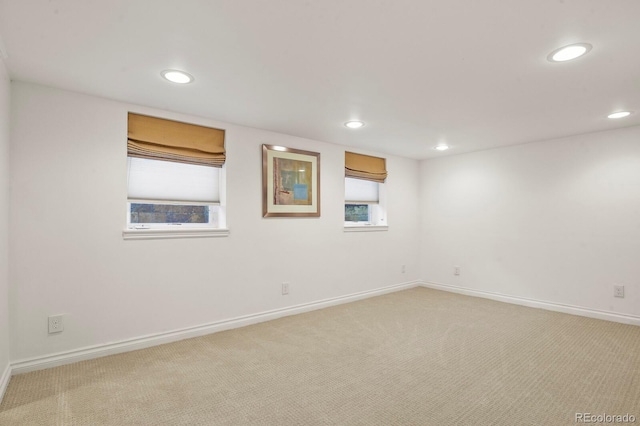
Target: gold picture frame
x,y
290,182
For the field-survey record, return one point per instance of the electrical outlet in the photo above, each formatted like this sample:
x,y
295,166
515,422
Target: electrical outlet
x,y
456,270
404,268
618,291
55,324
285,289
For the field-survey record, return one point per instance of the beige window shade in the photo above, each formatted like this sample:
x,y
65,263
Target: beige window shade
x,y
365,167
159,139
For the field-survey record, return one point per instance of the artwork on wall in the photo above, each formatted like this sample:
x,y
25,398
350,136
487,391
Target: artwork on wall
x,y
290,182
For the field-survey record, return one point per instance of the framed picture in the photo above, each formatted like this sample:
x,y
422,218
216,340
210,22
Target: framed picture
x,y
290,182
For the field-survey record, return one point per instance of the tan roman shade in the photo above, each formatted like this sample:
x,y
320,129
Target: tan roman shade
x,y
159,139
365,167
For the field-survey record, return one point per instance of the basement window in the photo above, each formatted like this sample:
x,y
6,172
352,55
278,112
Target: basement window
x,y
364,192
364,205
175,179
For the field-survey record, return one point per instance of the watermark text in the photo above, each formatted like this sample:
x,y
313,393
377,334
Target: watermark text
x,y
605,418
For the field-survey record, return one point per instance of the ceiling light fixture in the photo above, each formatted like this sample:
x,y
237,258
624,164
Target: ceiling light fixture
x,y
441,147
569,52
620,114
176,76
354,124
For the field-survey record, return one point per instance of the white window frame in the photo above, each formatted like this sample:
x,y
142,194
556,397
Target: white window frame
x,y
214,214
377,212
216,227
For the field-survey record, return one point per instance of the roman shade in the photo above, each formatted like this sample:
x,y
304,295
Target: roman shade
x,y
365,167
159,139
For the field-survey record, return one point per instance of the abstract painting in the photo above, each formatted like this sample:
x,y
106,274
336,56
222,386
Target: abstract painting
x,y
290,182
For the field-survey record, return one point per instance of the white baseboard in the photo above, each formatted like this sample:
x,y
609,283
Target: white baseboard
x,y
4,381
540,304
62,358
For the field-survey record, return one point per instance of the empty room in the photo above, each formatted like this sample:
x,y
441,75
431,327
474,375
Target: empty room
x,y
319,212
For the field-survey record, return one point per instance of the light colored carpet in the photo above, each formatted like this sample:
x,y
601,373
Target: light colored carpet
x,y
415,357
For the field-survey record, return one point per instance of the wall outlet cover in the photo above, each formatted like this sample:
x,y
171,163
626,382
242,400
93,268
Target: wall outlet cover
x,y
56,325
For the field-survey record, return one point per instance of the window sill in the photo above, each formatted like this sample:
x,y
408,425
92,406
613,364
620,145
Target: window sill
x,y
154,234
365,228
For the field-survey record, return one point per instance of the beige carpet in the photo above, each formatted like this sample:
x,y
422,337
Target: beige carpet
x,y
415,357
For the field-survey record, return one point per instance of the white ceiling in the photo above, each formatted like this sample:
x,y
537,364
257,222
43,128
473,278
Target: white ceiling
x,y
470,73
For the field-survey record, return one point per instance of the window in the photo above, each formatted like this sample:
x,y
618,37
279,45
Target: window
x,y
362,202
163,194
364,191
174,176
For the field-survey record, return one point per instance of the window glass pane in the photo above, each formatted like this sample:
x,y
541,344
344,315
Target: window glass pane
x,y
356,212
166,180
360,190
168,213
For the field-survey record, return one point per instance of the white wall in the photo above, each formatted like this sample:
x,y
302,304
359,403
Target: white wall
x,y
555,221
68,200
4,220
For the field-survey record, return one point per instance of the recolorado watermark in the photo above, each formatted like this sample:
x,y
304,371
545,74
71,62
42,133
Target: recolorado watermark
x,y
605,418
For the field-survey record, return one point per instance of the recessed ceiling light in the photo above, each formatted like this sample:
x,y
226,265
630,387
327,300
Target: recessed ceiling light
x,y
176,76
441,147
354,124
619,114
569,52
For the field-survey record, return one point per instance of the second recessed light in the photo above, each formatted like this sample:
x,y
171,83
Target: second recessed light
x,y
620,114
569,52
176,76
354,124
